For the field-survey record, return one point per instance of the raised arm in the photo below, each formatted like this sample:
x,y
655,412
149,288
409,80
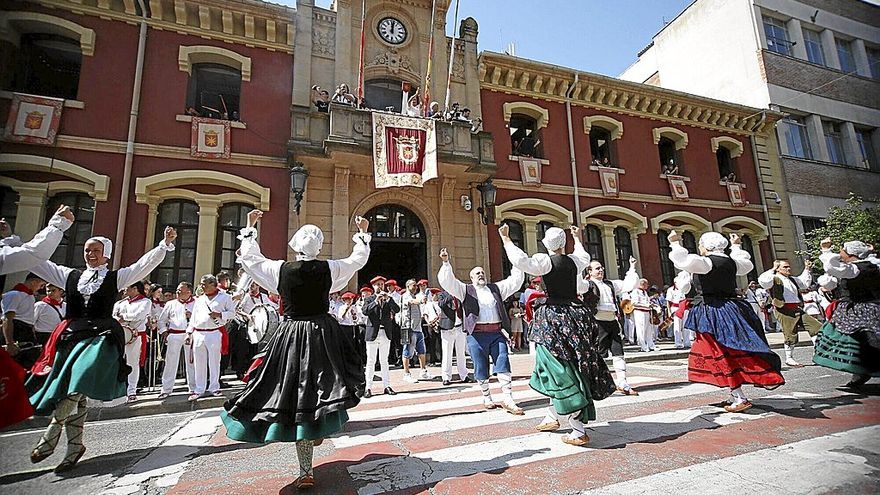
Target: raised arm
x,y
805,279
683,281
832,264
539,264
25,256
341,271
683,260
579,255
511,284
740,256
263,271
148,262
447,279
630,281
765,279
52,273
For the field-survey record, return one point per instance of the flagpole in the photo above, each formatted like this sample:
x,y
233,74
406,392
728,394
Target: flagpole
x,y
427,97
451,58
360,88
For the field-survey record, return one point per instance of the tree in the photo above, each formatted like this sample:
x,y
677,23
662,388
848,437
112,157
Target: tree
x,y
853,221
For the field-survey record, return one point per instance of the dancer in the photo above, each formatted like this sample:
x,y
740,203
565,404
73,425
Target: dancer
x,y
172,325
486,324
84,357
850,339
132,313
600,295
785,291
730,347
18,257
205,332
568,366
379,310
312,372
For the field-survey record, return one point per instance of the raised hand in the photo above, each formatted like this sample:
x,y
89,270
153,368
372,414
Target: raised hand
x,y
673,237
825,243
253,217
808,264
632,261
575,230
65,212
5,229
504,231
170,235
362,224
444,255
735,239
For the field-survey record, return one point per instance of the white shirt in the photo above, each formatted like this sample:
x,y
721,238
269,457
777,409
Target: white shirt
x,y
540,263
203,307
46,318
791,286
488,311
431,311
640,299
248,302
607,303
836,269
348,315
21,303
411,309
173,315
134,315
693,264
18,257
333,308
674,295
811,303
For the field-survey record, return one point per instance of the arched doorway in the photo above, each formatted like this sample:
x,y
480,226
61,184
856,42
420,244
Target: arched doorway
x,y
399,246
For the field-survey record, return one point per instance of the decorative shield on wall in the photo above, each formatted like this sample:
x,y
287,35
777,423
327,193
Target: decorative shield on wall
x,y
33,119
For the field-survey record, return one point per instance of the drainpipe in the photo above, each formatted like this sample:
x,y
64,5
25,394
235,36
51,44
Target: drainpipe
x,y
761,183
132,128
574,175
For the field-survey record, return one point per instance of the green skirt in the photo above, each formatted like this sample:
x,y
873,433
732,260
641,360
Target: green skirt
x,y
265,432
564,383
90,367
849,353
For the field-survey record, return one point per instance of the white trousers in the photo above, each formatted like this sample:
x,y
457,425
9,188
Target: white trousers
x,y
206,357
629,328
133,359
682,336
379,347
454,340
173,345
644,329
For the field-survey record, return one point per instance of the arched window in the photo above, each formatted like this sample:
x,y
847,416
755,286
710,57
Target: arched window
x,y
179,265
525,137
541,229
214,91
601,147
593,243
518,239
667,269
383,94
389,222
232,218
749,248
70,251
47,65
624,248
725,162
670,159
689,242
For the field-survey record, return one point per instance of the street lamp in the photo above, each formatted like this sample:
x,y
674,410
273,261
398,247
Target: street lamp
x,y
298,176
487,201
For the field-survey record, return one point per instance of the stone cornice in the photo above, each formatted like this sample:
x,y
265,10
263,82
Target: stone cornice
x,y
513,75
246,22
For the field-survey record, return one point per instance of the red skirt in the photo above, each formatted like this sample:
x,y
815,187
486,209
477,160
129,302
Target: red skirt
x,y
14,404
710,362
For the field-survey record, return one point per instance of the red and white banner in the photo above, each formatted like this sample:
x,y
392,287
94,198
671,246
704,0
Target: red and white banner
x,y
530,171
210,138
404,150
736,193
678,187
610,179
33,119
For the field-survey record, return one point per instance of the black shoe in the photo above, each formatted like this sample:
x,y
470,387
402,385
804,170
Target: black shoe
x,y
390,391
447,382
367,394
468,379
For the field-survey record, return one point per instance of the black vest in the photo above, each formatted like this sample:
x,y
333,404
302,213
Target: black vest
x,y
865,287
561,281
305,288
100,303
447,311
719,283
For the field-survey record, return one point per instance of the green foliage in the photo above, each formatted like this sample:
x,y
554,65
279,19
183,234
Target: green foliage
x,y
850,222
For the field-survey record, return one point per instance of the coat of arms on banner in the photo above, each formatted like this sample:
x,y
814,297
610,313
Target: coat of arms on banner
x,y
210,138
530,171
33,119
735,192
678,187
404,150
610,178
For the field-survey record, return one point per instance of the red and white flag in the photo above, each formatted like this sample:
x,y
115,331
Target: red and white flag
x,y
33,119
404,150
610,178
678,187
736,193
210,138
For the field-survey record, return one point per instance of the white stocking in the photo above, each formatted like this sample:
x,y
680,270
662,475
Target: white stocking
x,y
577,427
484,387
551,415
506,387
738,394
620,371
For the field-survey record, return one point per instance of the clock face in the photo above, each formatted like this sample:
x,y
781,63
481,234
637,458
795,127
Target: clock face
x,y
392,31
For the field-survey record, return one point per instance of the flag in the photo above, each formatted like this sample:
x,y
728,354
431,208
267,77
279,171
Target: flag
x,y
735,192
404,150
33,119
610,178
210,138
678,187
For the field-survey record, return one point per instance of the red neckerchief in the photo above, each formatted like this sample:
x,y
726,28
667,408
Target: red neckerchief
x,y
51,302
135,298
23,288
191,299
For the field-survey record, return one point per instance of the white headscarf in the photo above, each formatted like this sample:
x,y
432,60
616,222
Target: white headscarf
x,y
554,238
307,241
107,243
857,248
713,242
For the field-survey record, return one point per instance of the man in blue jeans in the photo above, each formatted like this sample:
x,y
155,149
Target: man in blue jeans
x,y
411,336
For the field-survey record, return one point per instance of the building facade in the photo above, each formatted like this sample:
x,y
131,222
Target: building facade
x,y
818,62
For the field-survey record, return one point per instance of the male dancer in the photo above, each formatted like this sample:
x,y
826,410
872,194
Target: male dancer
x,y
172,325
487,325
785,291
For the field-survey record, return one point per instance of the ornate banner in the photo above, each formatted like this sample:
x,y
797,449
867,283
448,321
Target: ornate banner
x,y
404,150
33,119
735,191
210,138
530,171
678,187
610,179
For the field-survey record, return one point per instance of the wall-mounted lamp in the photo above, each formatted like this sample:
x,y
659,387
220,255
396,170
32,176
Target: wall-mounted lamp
x,y
487,201
298,177
775,197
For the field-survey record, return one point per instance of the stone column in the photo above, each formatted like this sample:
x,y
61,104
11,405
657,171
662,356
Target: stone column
x,y
344,30
796,36
817,138
530,232
152,216
829,47
31,210
863,67
207,237
341,245
302,57
610,251
851,151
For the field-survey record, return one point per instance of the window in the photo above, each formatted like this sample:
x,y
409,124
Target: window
x,y
670,162
623,247
813,44
833,142
725,162
179,265
667,269
811,224
777,36
867,158
689,242
232,218
9,206
593,243
395,222
749,248
70,251
541,230
600,147
383,94
873,62
48,65
845,54
214,91
516,236
794,134
525,139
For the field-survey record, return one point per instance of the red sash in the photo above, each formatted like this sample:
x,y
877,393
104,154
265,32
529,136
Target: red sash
x,y
829,311
143,359
43,366
681,307
13,398
224,341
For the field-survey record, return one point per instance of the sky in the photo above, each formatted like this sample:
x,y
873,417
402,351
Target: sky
x,y
589,35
